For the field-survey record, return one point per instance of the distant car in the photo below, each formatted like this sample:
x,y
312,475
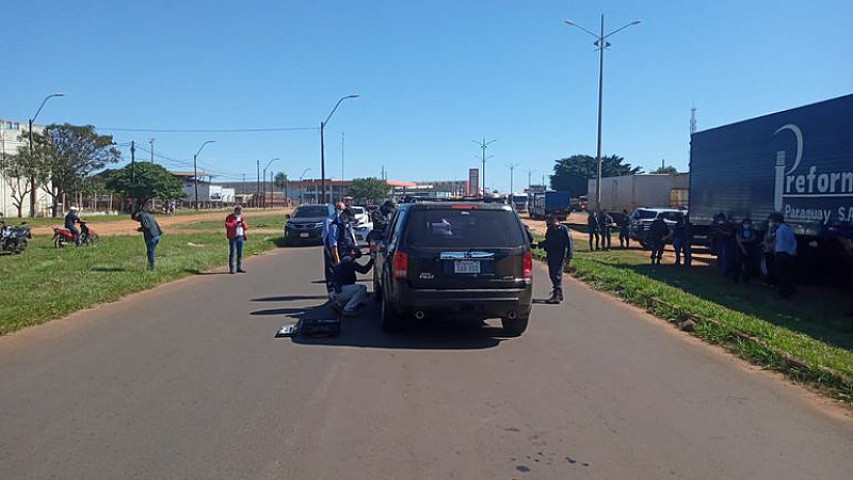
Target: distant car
x,y
305,225
641,219
362,225
455,259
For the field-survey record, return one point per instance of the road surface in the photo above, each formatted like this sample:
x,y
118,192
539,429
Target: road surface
x,y
188,382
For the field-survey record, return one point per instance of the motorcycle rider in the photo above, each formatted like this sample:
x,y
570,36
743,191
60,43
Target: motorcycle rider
x,y
71,221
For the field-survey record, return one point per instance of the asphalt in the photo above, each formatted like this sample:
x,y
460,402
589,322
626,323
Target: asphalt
x,y
189,382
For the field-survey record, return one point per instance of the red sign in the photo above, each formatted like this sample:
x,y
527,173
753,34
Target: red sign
x,y
473,181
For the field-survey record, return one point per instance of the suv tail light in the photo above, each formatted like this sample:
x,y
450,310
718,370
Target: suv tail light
x,y
527,266
401,265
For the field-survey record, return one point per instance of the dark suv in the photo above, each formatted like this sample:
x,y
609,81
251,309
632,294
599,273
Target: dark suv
x,y
466,259
306,223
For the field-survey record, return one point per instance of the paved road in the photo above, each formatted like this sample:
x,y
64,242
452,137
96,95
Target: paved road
x,y
188,382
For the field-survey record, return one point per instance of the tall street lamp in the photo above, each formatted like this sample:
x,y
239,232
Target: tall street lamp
x,y
511,167
323,147
484,145
265,182
33,179
195,169
601,44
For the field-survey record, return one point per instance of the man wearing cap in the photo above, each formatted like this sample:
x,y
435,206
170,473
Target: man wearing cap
x,y
71,221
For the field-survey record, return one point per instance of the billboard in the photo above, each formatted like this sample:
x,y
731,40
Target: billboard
x,y
473,181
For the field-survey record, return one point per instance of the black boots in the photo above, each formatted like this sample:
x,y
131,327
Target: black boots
x,y
556,297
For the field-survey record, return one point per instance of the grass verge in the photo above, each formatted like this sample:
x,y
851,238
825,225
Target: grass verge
x,y
46,283
807,341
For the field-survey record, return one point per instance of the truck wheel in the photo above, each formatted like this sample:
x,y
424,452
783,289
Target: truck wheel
x,y
514,327
391,322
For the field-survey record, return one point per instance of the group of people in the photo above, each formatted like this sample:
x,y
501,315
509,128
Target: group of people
x,y
740,250
341,252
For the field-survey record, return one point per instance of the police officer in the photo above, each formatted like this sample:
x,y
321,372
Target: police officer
x,y
624,233
559,249
657,237
605,224
593,227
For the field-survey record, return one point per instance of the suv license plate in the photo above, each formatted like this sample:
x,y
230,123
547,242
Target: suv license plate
x,y
466,266
303,235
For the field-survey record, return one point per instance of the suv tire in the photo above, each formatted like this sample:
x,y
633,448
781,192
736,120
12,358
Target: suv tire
x,y
514,327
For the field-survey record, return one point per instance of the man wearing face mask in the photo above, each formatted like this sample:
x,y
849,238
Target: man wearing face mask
x,y
747,251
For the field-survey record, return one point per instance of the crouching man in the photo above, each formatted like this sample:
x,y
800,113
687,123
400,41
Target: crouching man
x,y
347,295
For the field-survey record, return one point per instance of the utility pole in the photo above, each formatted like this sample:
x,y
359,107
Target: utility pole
x,y
484,145
258,196
132,163
151,141
511,169
272,197
529,173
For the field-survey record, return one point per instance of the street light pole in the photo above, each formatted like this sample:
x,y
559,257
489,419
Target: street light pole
x,y
265,182
323,147
195,170
511,175
32,154
601,43
302,186
484,144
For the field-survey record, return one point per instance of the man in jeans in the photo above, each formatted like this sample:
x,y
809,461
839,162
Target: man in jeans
x,y
235,230
150,232
785,249
346,295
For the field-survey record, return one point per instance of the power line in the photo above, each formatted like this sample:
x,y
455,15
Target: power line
x,y
225,130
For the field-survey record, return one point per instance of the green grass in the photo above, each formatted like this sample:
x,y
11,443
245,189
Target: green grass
x,y
46,283
810,340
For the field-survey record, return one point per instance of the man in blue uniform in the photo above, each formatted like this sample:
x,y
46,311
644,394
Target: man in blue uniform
x,y
559,249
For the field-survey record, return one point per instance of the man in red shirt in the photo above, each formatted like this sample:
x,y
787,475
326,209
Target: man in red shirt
x,y
235,230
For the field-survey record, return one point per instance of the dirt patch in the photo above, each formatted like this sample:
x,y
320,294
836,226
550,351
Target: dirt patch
x,y
128,227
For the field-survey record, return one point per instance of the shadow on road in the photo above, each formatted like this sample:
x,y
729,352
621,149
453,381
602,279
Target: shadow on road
x,y
365,331
289,298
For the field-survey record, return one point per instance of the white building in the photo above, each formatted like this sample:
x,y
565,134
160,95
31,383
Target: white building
x,y
208,193
11,132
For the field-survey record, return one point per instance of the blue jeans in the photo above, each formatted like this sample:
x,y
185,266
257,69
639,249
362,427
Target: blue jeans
x,y
150,246
235,244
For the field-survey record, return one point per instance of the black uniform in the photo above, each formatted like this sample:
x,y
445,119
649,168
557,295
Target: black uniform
x,y
594,228
658,234
624,233
605,224
559,248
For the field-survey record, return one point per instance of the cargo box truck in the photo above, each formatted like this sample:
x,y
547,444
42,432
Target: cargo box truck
x,y
797,162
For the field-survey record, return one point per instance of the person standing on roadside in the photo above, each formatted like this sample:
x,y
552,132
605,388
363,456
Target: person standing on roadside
x,y
768,246
747,246
624,233
657,237
593,227
151,232
679,239
784,252
559,250
329,259
605,224
235,230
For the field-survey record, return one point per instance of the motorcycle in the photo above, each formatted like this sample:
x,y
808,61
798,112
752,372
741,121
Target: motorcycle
x,y
62,235
14,238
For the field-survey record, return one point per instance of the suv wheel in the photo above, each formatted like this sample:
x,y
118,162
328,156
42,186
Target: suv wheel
x,y
514,327
390,321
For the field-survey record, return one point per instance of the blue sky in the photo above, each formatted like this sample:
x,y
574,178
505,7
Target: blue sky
x,y
432,76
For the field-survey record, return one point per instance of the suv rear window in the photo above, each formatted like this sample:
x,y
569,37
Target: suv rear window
x,y
474,228
311,212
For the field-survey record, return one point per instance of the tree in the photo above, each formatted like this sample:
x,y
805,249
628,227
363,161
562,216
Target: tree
x,y
280,181
368,190
668,170
573,173
22,172
72,153
144,183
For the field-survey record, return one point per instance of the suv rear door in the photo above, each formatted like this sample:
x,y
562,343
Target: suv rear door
x,y
464,246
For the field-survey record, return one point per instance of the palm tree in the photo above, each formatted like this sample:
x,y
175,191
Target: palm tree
x,y
280,180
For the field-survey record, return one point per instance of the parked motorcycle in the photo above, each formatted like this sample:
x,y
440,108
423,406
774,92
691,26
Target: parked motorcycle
x,y
62,235
14,238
